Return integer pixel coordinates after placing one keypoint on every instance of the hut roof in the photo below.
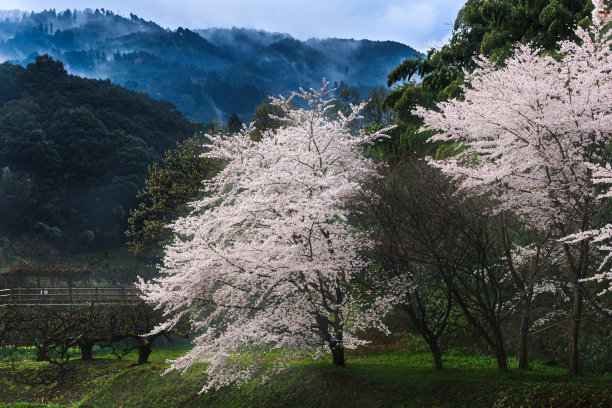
(28, 270)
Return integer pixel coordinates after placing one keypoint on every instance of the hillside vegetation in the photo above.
(74, 151)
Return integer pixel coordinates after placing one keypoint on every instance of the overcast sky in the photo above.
(418, 23)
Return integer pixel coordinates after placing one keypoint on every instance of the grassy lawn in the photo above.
(393, 379)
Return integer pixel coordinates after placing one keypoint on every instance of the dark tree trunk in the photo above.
(337, 345)
(575, 331)
(143, 353)
(86, 350)
(436, 353)
(338, 354)
(500, 351)
(525, 318)
(41, 354)
(527, 294)
(579, 271)
(502, 361)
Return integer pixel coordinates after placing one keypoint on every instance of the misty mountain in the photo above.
(208, 73)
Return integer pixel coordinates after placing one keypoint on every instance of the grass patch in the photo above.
(391, 379)
(77, 381)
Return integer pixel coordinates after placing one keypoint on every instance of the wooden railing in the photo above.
(68, 295)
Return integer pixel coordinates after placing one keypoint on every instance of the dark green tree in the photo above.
(234, 124)
(265, 117)
(169, 188)
(375, 112)
(81, 147)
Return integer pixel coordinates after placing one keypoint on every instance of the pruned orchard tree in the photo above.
(529, 132)
(266, 260)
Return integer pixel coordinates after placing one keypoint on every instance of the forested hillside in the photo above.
(209, 74)
(74, 151)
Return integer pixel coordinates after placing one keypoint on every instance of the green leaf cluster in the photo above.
(169, 188)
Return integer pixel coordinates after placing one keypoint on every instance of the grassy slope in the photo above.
(384, 380)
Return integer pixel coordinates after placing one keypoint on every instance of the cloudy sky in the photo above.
(418, 23)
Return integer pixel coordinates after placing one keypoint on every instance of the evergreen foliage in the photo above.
(168, 188)
(75, 151)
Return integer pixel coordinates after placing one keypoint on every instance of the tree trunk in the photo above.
(524, 332)
(338, 355)
(527, 294)
(436, 353)
(143, 353)
(86, 350)
(575, 330)
(41, 353)
(337, 345)
(502, 361)
(500, 351)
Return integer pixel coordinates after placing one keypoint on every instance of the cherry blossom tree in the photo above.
(266, 261)
(529, 133)
(600, 237)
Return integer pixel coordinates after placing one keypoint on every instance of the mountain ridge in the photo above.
(207, 73)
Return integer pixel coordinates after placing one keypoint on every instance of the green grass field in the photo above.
(391, 379)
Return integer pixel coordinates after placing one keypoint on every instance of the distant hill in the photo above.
(74, 152)
(208, 73)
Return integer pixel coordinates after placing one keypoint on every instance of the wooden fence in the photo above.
(44, 296)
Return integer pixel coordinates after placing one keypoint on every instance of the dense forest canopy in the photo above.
(74, 151)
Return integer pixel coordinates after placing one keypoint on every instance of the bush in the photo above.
(597, 354)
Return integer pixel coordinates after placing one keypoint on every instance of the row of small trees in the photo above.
(301, 241)
(56, 330)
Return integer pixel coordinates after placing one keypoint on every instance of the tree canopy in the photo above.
(75, 151)
(531, 133)
(168, 189)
